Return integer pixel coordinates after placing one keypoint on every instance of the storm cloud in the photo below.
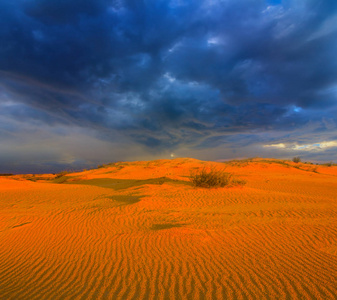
(167, 76)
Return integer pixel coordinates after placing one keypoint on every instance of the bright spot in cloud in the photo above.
(297, 109)
(281, 145)
(316, 146)
(306, 147)
(213, 41)
(169, 77)
(174, 47)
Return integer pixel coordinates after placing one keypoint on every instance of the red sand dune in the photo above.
(119, 232)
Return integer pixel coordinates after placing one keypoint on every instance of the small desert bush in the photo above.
(209, 178)
(61, 174)
(296, 159)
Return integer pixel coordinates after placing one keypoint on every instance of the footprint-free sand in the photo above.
(140, 230)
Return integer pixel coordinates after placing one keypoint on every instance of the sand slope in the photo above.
(141, 231)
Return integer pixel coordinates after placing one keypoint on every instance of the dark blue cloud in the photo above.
(170, 73)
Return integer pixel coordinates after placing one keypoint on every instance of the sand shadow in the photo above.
(119, 184)
(162, 226)
(22, 224)
(125, 199)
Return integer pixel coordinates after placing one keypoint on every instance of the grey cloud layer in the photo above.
(167, 73)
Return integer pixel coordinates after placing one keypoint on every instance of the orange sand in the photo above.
(274, 238)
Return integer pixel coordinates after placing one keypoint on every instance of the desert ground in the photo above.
(141, 230)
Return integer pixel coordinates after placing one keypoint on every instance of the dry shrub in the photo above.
(296, 159)
(209, 178)
(61, 174)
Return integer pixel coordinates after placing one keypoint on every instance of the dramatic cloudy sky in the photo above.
(84, 82)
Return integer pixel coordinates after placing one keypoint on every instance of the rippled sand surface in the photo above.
(140, 231)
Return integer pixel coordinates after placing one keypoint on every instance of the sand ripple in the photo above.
(266, 240)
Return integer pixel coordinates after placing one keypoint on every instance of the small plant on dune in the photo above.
(102, 166)
(296, 159)
(315, 170)
(61, 174)
(209, 178)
